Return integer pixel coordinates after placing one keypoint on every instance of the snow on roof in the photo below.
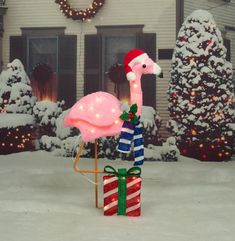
(12, 120)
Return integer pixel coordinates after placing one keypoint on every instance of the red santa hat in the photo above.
(130, 59)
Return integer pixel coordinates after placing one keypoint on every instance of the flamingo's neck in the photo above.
(136, 93)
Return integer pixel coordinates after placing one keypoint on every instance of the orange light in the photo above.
(201, 145)
(193, 93)
(194, 133)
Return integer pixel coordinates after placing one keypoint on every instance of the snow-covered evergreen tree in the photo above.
(16, 106)
(15, 90)
(201, 90)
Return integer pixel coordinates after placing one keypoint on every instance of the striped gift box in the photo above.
(122, 194)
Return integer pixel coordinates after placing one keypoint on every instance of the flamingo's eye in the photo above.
(144, 66)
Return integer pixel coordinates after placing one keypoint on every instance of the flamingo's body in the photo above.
(96, 115)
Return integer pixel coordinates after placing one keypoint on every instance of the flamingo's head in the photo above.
(147, 66)
(137, 62)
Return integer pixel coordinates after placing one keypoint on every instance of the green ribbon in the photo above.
(122, 174)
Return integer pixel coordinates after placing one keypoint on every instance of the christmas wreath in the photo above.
(78, 14)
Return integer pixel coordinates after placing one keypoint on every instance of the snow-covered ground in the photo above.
(42, 199)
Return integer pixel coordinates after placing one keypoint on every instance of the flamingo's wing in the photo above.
(98, 109)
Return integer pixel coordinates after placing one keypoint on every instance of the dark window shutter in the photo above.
(18, 49)
(93, 63)
(227, 44)
(67, 61)
(147, 42)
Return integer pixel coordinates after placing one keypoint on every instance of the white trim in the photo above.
(110, 205)
(139, 158)
(132, 208)
(138, 58)
(128, 130)
(137, 148)
(111, 192)
(138, 136)
(133, 195)
(124, 141)
(132, 183)
(112, 179)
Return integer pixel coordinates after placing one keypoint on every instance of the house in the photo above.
(74, 56)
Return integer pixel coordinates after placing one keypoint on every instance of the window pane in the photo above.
(115, 50)
(42, 66)
(42, 50)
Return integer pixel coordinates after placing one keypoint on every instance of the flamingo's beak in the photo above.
(157, 70)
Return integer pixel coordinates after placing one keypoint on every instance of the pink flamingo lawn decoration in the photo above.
(97, 114)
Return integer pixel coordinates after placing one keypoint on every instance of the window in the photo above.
(117, 41)
(115, 49)
(109, 46)
(42, 64)
(50, 59)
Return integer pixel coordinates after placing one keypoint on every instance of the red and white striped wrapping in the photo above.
(111, 195)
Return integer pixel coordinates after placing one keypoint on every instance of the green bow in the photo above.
(132, 172)
(122, 174)
(131, 115)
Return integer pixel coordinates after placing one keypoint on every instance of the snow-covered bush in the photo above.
(16, 132)
(57, 138)
(46, 114)
(168, 152)
(15, 90)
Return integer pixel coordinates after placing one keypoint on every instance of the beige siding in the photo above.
(157, 16)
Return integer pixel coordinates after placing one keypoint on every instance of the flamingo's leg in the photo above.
(96, 174)
(77, 158)
(96, 171)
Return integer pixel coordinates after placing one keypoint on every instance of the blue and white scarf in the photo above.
(129, 133)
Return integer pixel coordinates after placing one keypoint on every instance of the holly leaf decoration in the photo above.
(133, 109)
(124, 116)
(135, 120)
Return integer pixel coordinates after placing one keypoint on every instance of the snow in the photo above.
(41, 199)
(14, 120)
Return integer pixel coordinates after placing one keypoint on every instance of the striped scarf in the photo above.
(129, 133)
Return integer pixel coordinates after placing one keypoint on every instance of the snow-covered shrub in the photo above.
(16, 133)
(168, 152)
(151, 124)
(49, 143)
(46, 113)
(61, 140)
(15, 90)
